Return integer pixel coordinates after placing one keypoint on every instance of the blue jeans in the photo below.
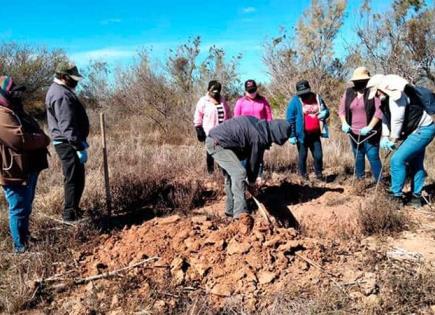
(235, 176)
(313, 143)
(20, 200)
(372, 152)
(411, 152)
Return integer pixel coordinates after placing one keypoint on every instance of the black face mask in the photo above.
(71, 82)
(251, 90)
(360, 85)
(216, 95)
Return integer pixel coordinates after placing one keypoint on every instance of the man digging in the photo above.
(238, 139)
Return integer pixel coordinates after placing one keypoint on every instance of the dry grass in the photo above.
(381, 216)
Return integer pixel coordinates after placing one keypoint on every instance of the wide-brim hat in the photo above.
(70, 70)
(392, 85)
(303, 87)
(360, 73)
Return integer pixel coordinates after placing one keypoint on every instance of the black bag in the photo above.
(421, 96)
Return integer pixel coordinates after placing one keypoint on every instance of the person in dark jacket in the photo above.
(23, 155)
(243, 138)
(69, 128)
(405, 119)
(361, 119)
(307, 114)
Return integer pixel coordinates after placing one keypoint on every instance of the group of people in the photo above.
(380, 111)
(23, 148)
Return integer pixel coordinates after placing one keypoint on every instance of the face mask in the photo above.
(215, 94)
(360, 85)
(71, 83)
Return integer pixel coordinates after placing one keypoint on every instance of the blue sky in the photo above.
(116, 30)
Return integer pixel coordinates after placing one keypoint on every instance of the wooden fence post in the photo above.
(106, 166)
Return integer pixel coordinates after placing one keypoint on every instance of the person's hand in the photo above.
(345, 127)
(322, 115)
(387, 144)
(83, 156)
(259, 182)
(365, 131)
(293, 140)
(200, 134)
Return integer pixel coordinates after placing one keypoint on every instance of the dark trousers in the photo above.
(314, 144)
(210, 163)
(74, 176)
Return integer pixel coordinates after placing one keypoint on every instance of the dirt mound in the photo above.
(212, 254)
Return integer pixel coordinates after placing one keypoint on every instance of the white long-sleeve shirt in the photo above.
(397, 111)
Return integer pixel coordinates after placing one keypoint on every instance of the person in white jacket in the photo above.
(405, 119)
(211, 110)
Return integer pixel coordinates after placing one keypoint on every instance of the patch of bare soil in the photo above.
(204, 256)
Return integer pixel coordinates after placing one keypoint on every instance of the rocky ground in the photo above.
(203, 262)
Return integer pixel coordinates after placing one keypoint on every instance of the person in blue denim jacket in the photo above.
(307, 114)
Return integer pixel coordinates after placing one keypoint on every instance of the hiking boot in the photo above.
(69, 215)
(246, 223)
(396, 199)
(228, 214)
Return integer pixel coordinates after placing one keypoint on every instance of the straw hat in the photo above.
(360, 73)
(392, 85)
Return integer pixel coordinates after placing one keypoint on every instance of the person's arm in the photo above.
(254, 162)
(342, 109)
(238, 108)
(291, 116)
(67, 121)
(199, 114)
(268, 110)
(324, 109)
(397, 110)
(13, 136)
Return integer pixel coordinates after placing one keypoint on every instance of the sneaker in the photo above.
(20, 250)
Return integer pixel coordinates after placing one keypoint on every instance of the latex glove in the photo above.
(322, 115)
(345, 127)
(293, 140)
(85, 144)
(386, 144)
(365, 131)
(200, 134)
(83, 156)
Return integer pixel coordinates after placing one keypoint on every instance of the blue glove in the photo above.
(322, 115)
(85, 144)
(345, 127)
(293, 140)
(83, 156)
(365, 131)
(386, 144)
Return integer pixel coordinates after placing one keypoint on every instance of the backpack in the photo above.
(421, 96)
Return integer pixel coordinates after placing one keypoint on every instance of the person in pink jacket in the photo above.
(253, 104)
(211, 110)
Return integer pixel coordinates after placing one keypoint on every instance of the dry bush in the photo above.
(378, 215)
(408, 292)
(32, 67)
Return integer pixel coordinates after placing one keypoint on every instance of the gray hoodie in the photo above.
(249, 137)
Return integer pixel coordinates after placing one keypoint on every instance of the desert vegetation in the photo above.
(157, 169)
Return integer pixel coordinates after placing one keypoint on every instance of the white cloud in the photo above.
(248, 10)
(110, 21)
(107, 54)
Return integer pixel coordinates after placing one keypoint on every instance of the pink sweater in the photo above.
(258, 108)
(206, 114)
